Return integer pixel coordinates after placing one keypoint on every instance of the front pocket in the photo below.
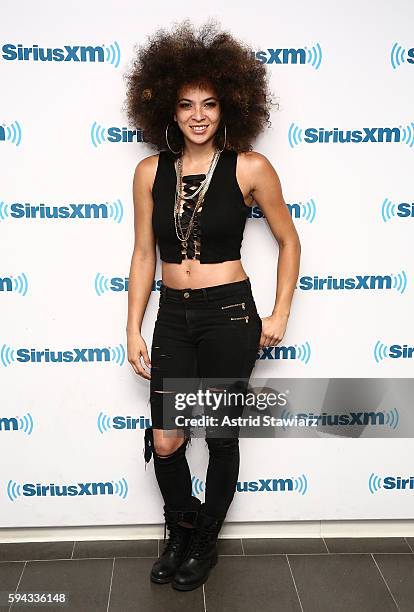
(246, 318)
(240, 308)
(242, 304)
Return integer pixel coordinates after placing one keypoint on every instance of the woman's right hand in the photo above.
(137, 348)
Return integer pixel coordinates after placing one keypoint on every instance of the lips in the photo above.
(198, 129)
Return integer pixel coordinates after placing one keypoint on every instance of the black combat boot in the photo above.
(180, 524)
(201, 554)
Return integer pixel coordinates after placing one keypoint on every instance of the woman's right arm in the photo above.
(143, 263)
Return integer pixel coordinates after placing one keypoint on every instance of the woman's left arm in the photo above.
(267, 192)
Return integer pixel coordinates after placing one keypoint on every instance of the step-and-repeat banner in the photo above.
(73, 411)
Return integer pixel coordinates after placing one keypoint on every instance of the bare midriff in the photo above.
(191, 274)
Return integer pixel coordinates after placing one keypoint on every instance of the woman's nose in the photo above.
(198, 115)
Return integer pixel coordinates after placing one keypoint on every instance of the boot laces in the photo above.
(199, 542)
(174, 540)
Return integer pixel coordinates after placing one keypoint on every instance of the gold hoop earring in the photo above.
(225, 138)
(168, 144)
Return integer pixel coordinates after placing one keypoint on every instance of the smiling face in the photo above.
(198, 113)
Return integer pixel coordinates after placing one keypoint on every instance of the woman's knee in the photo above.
(167, 442)
(223, 447)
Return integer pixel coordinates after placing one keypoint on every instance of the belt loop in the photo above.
(205, 293)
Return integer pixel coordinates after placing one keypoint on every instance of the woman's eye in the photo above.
(185, 104)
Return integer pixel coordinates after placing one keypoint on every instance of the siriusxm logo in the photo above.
(110, 54)
(399, 55)
(101, 135)
(9, 355)
(106, 423)
(29, 489)
(387, 419)
(24, 424)
(301, 352)
(296, 135)
(300, 55)
(11, 133)
(297, 484)
(387, 483)
(389, 210)
(103, 284)
(394, 351)
(307, 210)
(371, 282)
(298, 210)
(82, 210)
(15, 284)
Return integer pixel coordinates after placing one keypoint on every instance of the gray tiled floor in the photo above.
(280, 574)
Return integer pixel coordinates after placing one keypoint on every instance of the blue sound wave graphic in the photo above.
(380, 351)
(104, 422)
(392, 418)
(112, 54)
(116, 211)
(6, 355)
(121, 488)
(300, 484)
(197, 486)
(14, 490)
(374, 483)
(13, 133)
(308, 210)
(314, 56)
(98, 134)
(399, 281)
(20, 284)
(397, 55)
(408, 134)
(102, 284)
(26, 423)
(118, 354)
(4, 212)
(294, 135)
(303, 352)
(388, 210)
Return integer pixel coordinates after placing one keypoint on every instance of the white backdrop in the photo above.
(66, 239)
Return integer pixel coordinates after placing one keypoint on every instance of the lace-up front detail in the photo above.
(221, 217)
(200, 542)
(190, 184)
(174, 540)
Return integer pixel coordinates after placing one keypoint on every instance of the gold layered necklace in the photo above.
(201, 190)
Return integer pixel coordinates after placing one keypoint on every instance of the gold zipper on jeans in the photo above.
(238, 318)
(242, 304)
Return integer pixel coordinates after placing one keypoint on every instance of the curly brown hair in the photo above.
(182, 56)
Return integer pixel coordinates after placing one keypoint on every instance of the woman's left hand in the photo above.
(273, 330)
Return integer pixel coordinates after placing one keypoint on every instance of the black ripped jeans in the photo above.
(210, 332)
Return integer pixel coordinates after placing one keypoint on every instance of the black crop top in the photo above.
(221, 220)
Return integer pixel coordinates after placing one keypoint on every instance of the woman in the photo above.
(201, 100)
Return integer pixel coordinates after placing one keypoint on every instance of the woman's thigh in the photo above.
(174, 357)
(226, 356)
(229, 336)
